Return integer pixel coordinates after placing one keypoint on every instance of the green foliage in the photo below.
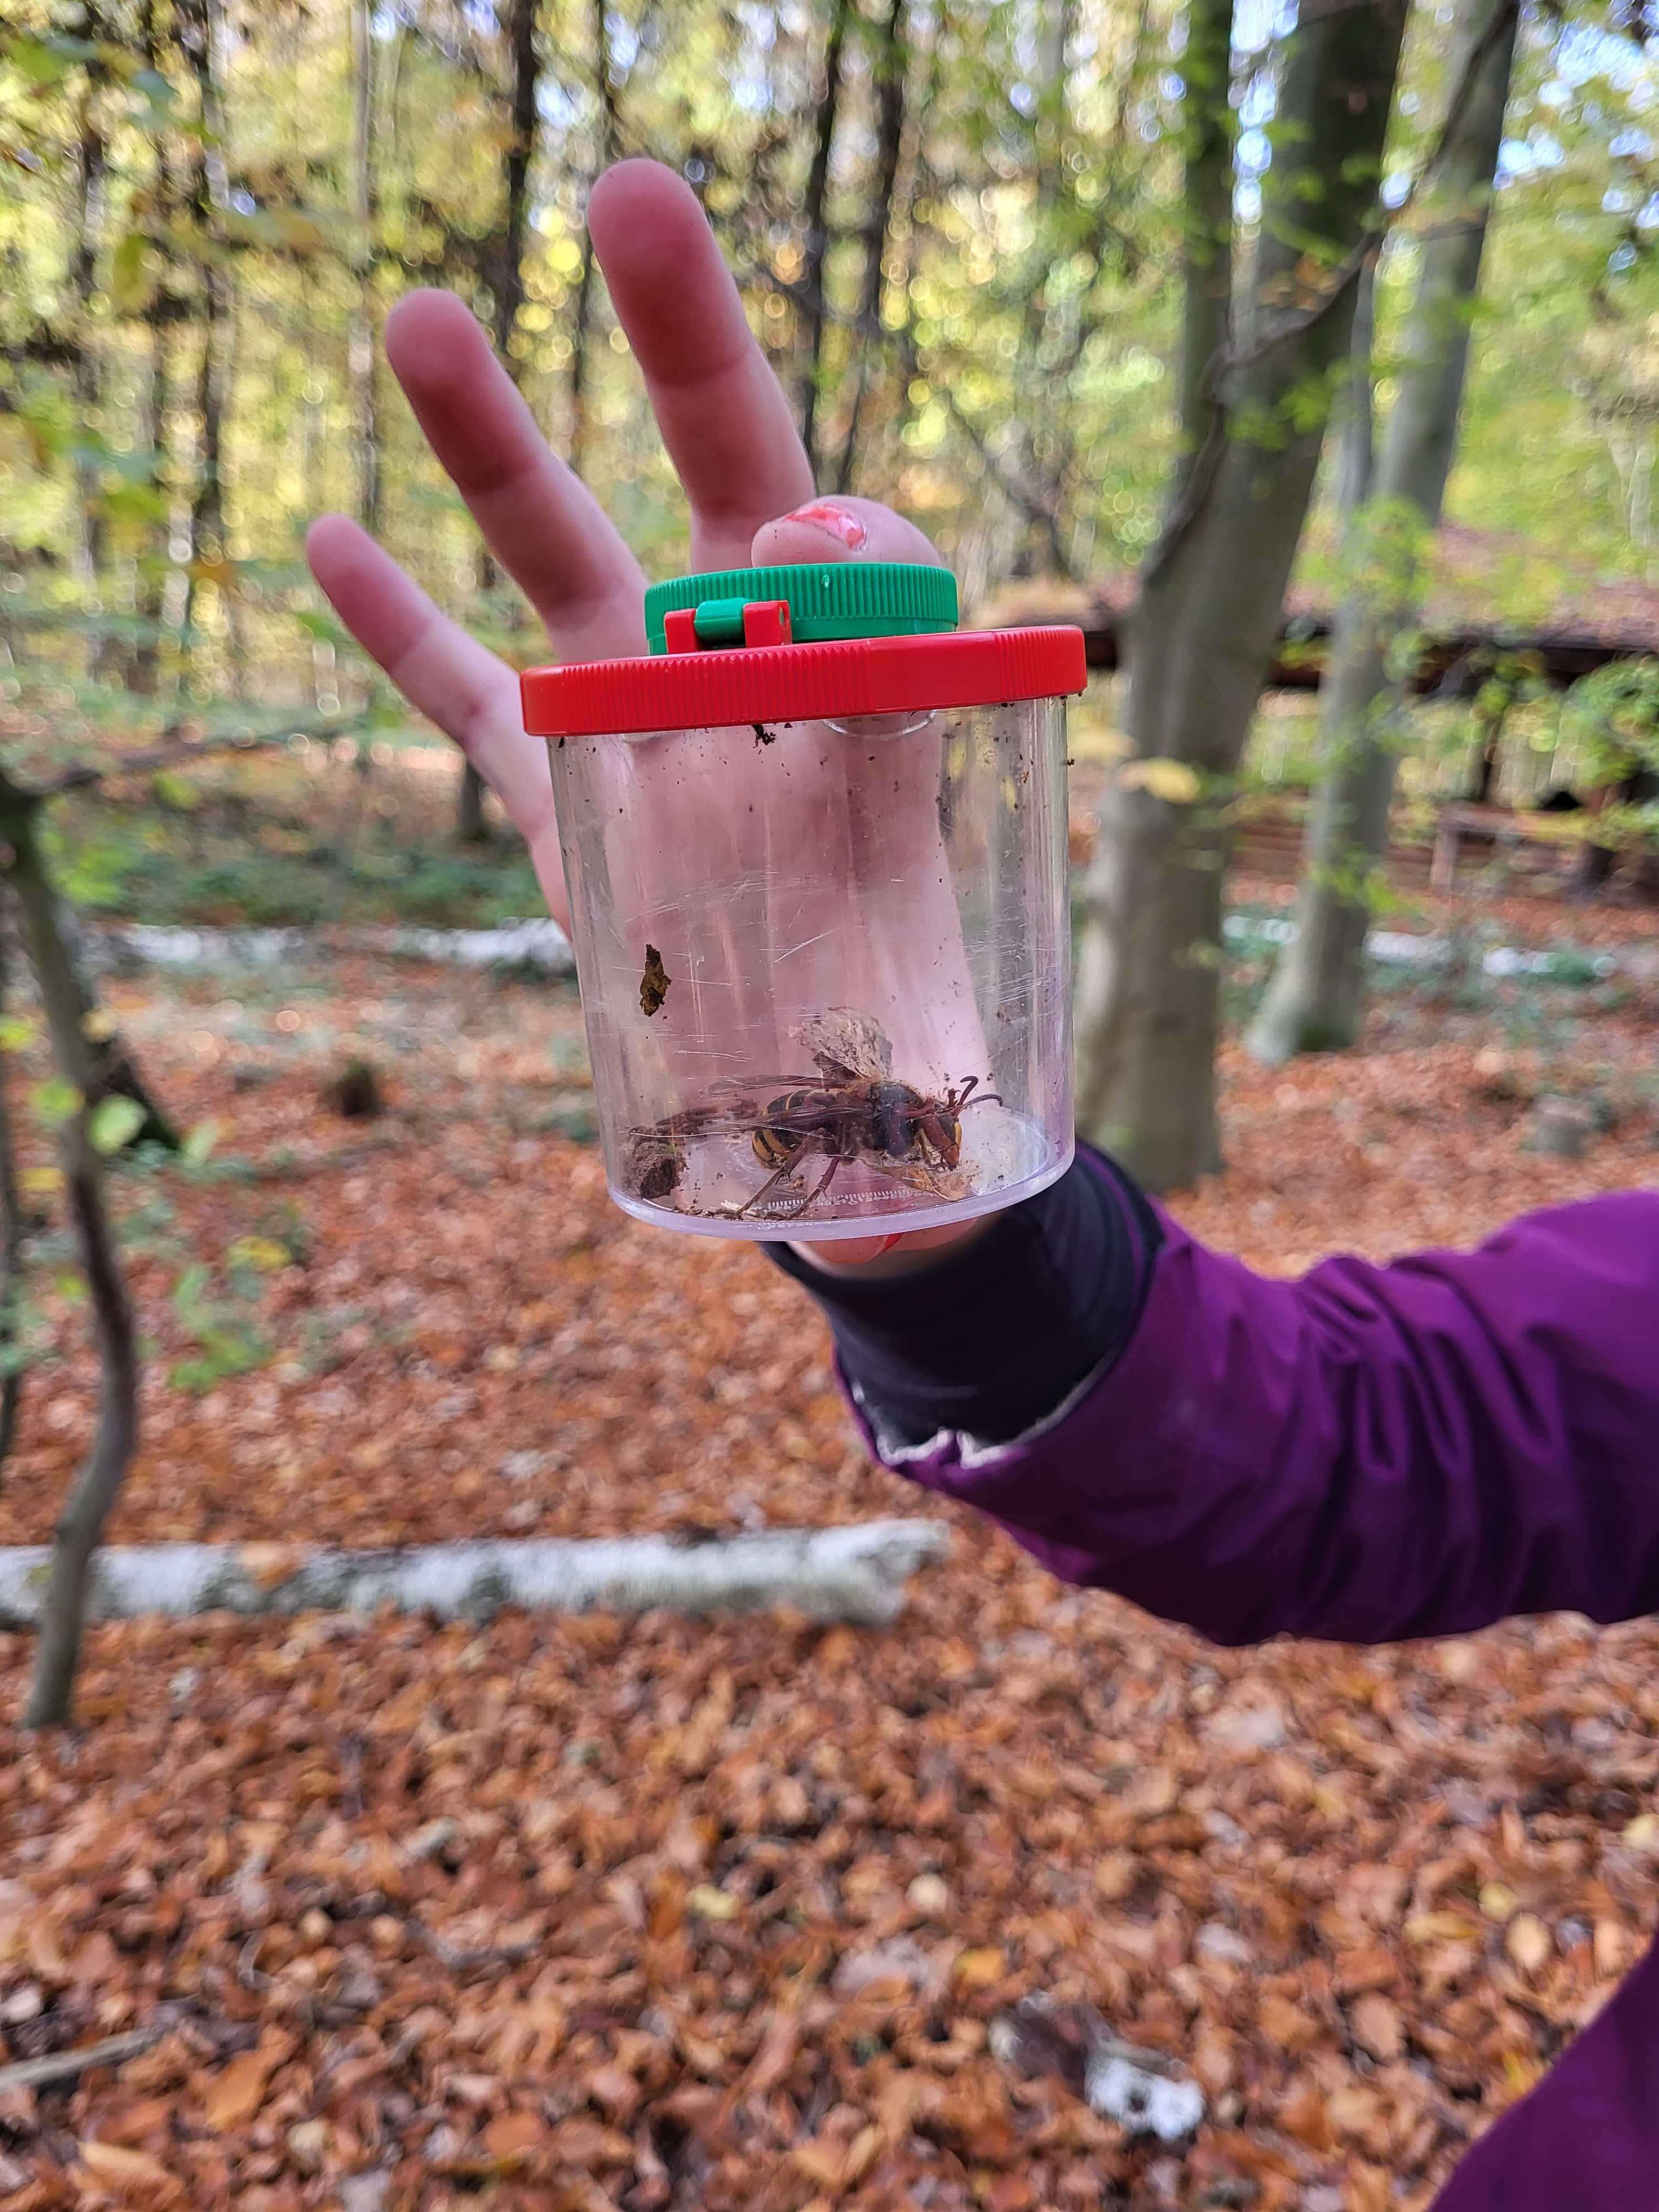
(226, 1342)
(55, 1101)
(1614, 713)
(113, 1123)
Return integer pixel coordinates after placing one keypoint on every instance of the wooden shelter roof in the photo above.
(1490, 593)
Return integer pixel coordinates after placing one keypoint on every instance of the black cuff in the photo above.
(992, 1339)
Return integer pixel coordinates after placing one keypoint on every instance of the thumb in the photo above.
(842, 528)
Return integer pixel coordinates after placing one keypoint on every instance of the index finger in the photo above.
(722, 412)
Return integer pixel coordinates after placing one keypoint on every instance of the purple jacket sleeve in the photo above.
(1367, 1453)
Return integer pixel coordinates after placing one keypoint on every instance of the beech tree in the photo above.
(1264, 345)
(1316, 1000)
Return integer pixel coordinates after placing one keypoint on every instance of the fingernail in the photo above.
(839, 522)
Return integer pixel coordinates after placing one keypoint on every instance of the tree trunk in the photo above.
(11, 1245)
(200, 36)
(111, 1069)
(360, 335)
(1316, 1001)
(471, 828)
(508, 289)
(1356, 454)
(148, 597)
(1207, 267)
(582, 319)
(509, 274)
(116, 1437)
(891, 66)
(90, 186)
(816, 250)
(857, 1572)
(1211, 591)
(207, 504)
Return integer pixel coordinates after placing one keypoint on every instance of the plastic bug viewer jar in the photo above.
(816, 848)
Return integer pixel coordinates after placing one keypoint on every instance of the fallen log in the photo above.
(856, 1573)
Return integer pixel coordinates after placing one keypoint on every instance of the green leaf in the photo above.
(134, 502)
(56, 1102)
(130, 288)
(112, 1123)
(175, 790)
(197, 1147)
(46, 60)
(322, 628)
(17, 1033)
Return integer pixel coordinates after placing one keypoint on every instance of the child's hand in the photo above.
(730, 434)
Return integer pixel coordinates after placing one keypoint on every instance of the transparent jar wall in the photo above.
(861, 982)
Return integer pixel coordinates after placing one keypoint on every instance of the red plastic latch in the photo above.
(765, 621)
(679, 630)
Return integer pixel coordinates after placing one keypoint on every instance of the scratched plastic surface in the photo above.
(825, 967)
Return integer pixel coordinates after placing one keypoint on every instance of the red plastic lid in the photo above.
(802, 683)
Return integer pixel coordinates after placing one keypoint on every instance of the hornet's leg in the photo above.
(783, 1175)
(838, 1160)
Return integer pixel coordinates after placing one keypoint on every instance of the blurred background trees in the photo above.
(1070, 280)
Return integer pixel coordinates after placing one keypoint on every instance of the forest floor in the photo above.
(585, 1912)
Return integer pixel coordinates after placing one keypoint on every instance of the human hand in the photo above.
(729, 432)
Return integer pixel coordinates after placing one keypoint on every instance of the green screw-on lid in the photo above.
(831, 599)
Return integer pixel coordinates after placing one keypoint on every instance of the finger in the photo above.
(542, 523)
(900, 1254)
(844, 528)
(847, 528)
(471, 696)
(724, 419)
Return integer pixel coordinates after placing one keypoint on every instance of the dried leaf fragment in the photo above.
(132, 2175)
(655, 981)
(977, 1969)
(238, 2090)
(510, 2136)
(1377, 2025)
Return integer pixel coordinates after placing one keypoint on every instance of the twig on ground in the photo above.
(64, 2065)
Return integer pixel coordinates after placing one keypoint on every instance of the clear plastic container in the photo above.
(819, 906)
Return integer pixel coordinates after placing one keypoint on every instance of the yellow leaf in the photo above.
(1528, 1941)
(1174, 781)
(862, 2153)
(263, 1253)
(711, 1904)
(1498, 1903)
(501, 1359)
(1441, 1928)
(1521, 2071)
(124, 2169)
(41, 1181)
(97, 1025)
(1642, 1834)
(1104, 747)
(975, 1969)
(822, 2163)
